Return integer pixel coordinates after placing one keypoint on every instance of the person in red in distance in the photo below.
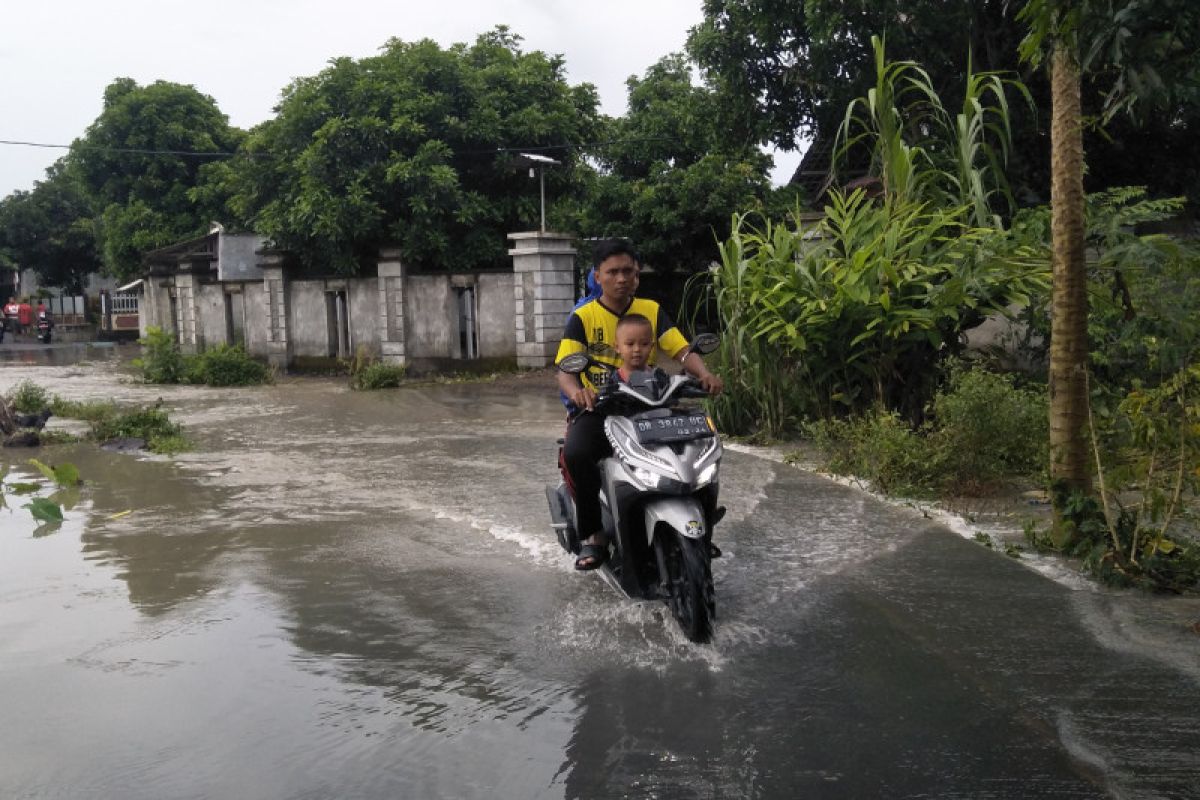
(25, 314)
(11, 311)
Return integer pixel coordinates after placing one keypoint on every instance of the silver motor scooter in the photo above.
(658, 490)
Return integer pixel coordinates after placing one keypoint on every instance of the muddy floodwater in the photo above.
(358, 595)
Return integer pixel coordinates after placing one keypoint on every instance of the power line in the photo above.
(226, 154)
(129, 150)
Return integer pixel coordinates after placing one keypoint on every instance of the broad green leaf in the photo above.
(45, 510)
(45, 469)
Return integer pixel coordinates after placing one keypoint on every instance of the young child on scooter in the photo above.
(635, 342)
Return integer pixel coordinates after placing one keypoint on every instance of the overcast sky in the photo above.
(56, 56)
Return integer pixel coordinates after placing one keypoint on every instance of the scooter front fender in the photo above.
(683, 514)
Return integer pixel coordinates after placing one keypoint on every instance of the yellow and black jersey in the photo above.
(592, 329)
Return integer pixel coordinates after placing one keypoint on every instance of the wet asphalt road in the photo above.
(358, 595)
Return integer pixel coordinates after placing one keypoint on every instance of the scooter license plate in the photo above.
(676, 428)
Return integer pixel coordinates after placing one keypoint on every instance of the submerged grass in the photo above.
(107, 419)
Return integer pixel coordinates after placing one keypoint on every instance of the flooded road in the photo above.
(344, 594)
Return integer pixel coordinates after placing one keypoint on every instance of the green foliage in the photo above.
(51, 230)
(1144, 291)
(920, 151)
(150, 423)
(404, 148)
(865, 304)
(147, 200)
(226, 365)
(61, 475)
(981, 433)
(366, 373)
(28, 398)
(880, 448)
(785, 70)
(984, 430)
(1140, 531)
(161, 360)
(44, 509)
(89, 411)
(222, 365)
(669, 179)
(377, 376)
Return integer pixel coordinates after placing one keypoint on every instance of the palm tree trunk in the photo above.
(1069, 467)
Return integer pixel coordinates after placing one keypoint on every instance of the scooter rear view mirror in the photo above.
(574, 363)
(705, 343)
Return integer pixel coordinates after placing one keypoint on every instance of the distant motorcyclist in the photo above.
(592, 329)
(12, 311)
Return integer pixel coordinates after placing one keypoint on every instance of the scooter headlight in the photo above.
(648, 479)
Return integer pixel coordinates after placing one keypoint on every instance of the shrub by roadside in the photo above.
(223, 365)
(982, 433)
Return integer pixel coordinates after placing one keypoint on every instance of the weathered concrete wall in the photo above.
(156, 305)
(497, 331)
(307, 319)
(431, 317)
(254, 296)
(363, 297)
(210, 314)
(397, 316)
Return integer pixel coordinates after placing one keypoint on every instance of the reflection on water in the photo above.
(347, 594)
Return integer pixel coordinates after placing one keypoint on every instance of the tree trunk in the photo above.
(1069, 468)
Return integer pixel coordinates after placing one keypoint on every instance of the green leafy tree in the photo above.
(669, 181)
(784, 67)
(786, 70)
(140, 163)
(51, 230)
(1072, 36)
(411, 147)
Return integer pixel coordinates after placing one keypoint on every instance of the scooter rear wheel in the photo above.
(691, 596)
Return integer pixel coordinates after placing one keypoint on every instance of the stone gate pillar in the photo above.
(544, 286)
(191, 338)
(391, 307)
(275, 292)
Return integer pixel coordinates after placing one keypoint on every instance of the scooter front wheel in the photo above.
(689, 584)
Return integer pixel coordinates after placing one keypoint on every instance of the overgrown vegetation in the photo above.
(150, 423)
(226, 365)
(366, 373)
(108, 421)
(848, 328)
(223, 365)
(981, 432)
(28, 398)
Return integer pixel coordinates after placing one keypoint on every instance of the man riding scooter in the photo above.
(591, 329)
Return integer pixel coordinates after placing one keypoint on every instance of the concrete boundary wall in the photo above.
(395, 316)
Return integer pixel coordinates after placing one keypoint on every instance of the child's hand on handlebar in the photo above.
(711, 383)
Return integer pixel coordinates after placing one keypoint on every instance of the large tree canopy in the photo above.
(413, 147)
(140, 162)
(51, 231)
(786, 70)
(789, 67)
(669, 181)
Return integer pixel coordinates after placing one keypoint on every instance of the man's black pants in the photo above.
(583, 448)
